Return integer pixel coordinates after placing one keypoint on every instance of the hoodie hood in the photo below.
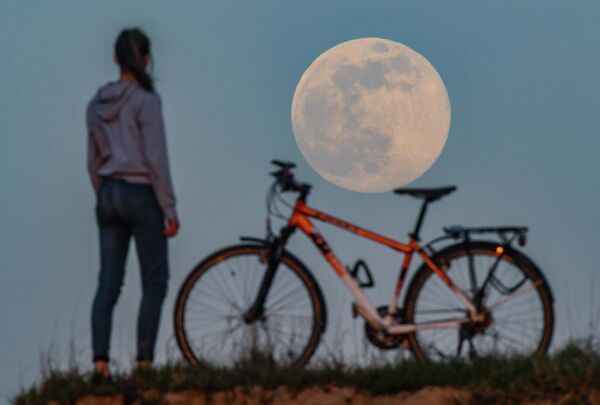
(111, 98)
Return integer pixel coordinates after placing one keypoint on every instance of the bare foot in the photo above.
(101, 366)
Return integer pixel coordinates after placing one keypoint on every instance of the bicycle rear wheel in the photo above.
(210, 306)
(517, 301)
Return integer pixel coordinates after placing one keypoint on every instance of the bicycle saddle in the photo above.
(428, 194)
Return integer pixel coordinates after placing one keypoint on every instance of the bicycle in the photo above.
(470, 298)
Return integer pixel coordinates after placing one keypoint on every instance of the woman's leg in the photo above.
(151, 246)
(114, 244)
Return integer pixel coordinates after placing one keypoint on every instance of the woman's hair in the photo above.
(131, 47)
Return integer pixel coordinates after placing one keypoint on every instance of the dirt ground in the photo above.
(284, 396)
(316, 396)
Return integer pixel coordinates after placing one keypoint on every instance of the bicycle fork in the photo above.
(275, 249)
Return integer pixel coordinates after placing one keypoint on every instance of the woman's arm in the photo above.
(155, 149)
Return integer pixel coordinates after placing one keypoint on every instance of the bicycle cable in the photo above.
(272, 209)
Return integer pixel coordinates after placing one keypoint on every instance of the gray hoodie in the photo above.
(126, 139)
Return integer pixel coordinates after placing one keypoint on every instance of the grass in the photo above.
(574, 370)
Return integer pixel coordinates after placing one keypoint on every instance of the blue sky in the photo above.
(523, 83)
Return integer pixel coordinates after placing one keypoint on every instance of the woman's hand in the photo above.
(172, 227)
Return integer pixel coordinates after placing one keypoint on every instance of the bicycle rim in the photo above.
(210, 327)
(518, 299)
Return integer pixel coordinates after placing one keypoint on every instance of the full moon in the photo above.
(370, 115)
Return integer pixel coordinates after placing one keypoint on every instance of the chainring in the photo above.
(383, 340)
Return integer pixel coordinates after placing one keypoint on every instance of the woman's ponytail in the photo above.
(131, 47)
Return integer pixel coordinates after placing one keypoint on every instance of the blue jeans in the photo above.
(122, 210)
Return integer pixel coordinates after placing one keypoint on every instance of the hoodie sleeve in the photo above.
(155, 150)
(94, 160)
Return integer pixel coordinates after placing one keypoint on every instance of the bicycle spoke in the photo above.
(213, 314)
(516, 319)
(440, 310)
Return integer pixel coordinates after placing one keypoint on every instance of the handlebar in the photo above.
(283, 165)
(285, 179)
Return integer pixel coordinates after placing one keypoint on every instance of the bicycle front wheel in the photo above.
(516, 301)
(209, 313)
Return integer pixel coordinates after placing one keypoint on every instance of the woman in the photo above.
(129, 169)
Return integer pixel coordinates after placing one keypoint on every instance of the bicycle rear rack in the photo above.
(505, 234)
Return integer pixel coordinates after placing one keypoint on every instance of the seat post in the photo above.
(415, 232)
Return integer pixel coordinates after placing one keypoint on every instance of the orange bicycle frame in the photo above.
(300, 218)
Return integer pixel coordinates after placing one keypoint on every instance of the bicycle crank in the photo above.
(382, 339)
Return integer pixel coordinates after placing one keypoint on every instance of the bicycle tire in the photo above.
(211, 269)
(450, 259)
